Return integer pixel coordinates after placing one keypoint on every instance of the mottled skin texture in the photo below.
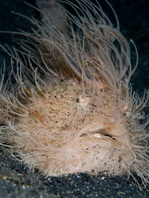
(68, 131)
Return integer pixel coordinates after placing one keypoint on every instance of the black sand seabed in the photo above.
(16, 181)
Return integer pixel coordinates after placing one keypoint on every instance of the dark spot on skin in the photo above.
(83, 135)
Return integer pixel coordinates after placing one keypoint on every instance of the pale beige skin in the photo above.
(67, 132)
(73, 110)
